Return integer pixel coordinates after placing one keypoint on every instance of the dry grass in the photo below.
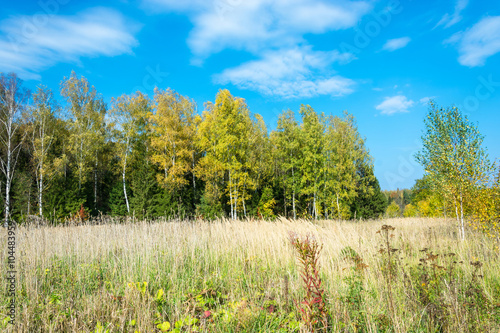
(245, 273)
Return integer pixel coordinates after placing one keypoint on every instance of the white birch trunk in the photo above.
(125, 190)
(8, 177)
(338, 206)
(462, 216)
(124, 174)
(458, 217)
(314, 207)
(231, 196)
(40, 174)
(243, 201)
(11, 106)
(40, 191)
(95, 183)
(235, 203)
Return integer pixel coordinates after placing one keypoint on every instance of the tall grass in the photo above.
(243, 276)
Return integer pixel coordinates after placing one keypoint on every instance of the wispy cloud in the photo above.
(426, 100)
(259, 25)
(273, 31)
(448, 20)
(395, 44)
(478, 43)
(27, 47)
(292, 73)
(395, 104)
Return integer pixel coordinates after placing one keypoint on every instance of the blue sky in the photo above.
(379, 60)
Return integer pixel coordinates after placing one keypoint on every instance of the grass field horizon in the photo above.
(244, 276)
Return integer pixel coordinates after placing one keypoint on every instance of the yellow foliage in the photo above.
(172, 125)
(410, 211)
(393, 210)
(424, 208)
(486, 211)
(267, 209)
(432, 206)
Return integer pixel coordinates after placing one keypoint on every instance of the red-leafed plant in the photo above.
(81, 215)
(313, 307)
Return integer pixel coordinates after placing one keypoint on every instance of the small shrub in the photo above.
(393, 210)
(389, 264)
(353, 298)
(265, 210)
(348, 253)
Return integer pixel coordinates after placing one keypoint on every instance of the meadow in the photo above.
(246, 276)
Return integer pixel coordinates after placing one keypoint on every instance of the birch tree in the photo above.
(453, 156)
(172, 129)
(128, 116)
(224, 138)
(346, 160)
(42, 116)
(87, 137)
(313, 157)
(13, 100)
(288, 155)
(259, 159)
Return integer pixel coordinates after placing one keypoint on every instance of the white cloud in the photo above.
(448, 20)
(397, 43)
(455, 38)
(395, 104)
(478, 43)
(29, 44)
(292, 73)
(273, 31)
(256, 25)
(426, 100)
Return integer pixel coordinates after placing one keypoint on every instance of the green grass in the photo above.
(247, 276)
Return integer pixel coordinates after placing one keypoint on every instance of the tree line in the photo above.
(157, 156)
